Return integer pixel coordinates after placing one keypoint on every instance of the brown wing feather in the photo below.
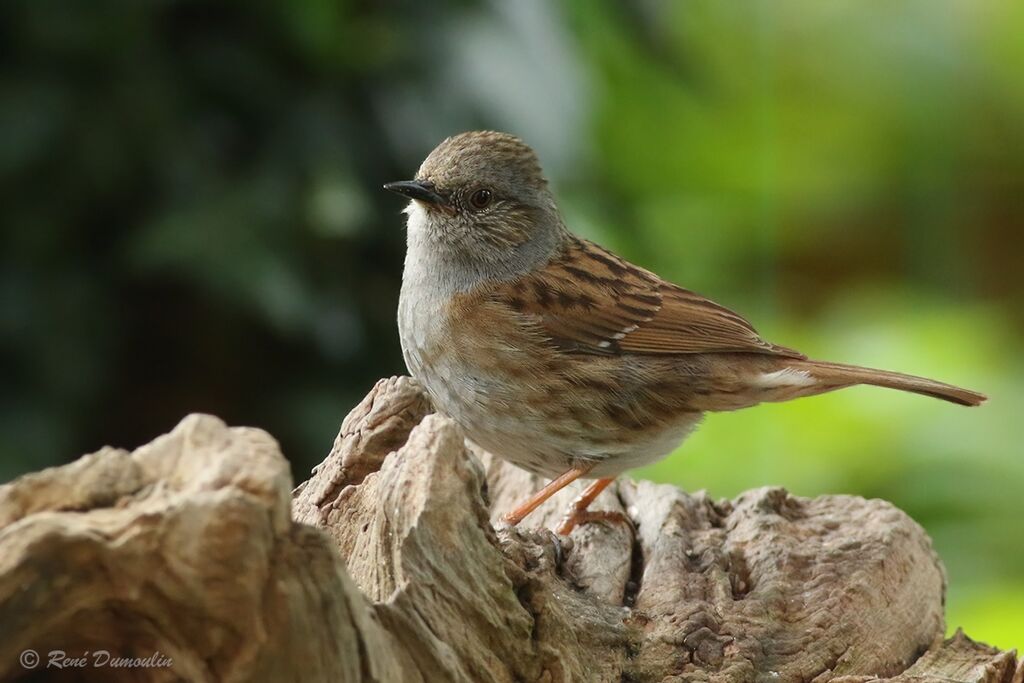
(588, 300)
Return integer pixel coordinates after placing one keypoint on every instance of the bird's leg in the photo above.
(578, 513)
(553, 487)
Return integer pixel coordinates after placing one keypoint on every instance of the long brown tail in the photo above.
(839, 375)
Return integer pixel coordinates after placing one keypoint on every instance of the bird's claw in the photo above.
(576, 517)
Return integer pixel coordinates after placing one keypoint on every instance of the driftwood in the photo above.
(386, 565)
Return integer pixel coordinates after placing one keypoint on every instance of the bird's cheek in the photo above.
(443, 209)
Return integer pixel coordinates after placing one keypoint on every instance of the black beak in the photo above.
(417, 189)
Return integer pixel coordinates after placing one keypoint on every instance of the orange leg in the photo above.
(579, 514)
(553, 487)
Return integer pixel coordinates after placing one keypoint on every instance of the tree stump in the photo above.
(388, 564)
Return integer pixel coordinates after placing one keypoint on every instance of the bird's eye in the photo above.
(480, 199)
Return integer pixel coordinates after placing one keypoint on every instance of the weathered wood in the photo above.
(389, 568)
(184, 547)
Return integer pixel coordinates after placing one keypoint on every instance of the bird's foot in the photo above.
(576, 517)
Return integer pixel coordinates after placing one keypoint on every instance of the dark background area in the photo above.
(193, 221)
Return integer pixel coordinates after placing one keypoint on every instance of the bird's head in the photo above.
(482, 197)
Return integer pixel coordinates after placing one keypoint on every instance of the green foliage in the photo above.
(192, 220)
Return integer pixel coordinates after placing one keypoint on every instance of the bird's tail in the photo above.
(838, 375)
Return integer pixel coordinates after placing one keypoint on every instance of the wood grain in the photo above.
(385, 566)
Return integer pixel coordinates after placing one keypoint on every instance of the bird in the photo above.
(559, 356)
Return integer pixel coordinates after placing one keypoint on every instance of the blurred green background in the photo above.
(193, 221)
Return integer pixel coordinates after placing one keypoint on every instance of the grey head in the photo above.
(480, 202)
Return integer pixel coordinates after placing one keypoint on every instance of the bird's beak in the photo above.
(421, 190)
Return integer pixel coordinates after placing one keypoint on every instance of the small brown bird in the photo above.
(557, 355)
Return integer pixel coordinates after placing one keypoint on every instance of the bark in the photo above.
(388, 565)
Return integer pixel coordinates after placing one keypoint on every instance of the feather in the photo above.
(587, 300)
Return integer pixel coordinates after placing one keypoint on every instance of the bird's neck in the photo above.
(446, 270)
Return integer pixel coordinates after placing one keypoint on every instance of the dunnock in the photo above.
(557, 355)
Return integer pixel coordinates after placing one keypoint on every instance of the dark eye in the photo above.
(480, 199)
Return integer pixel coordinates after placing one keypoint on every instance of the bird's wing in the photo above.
(587, 300)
